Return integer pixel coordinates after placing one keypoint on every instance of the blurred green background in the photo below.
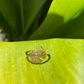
(42, 19)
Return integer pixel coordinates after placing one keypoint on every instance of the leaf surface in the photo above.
(59, 13)
(66, 65)
(9, 11)
(31, 12)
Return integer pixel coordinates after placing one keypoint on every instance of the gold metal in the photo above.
(37, 56)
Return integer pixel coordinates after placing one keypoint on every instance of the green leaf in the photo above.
(9, 11)
(31, 12)
(20, 14)
(39, 18)
(66, 65)
(72, 29)
(59, 13)
(7, 28)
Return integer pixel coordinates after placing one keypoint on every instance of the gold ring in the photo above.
(37, 56)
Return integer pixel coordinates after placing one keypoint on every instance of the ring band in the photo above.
(27, 57)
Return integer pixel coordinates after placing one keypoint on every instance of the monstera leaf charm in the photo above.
(37, 56)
